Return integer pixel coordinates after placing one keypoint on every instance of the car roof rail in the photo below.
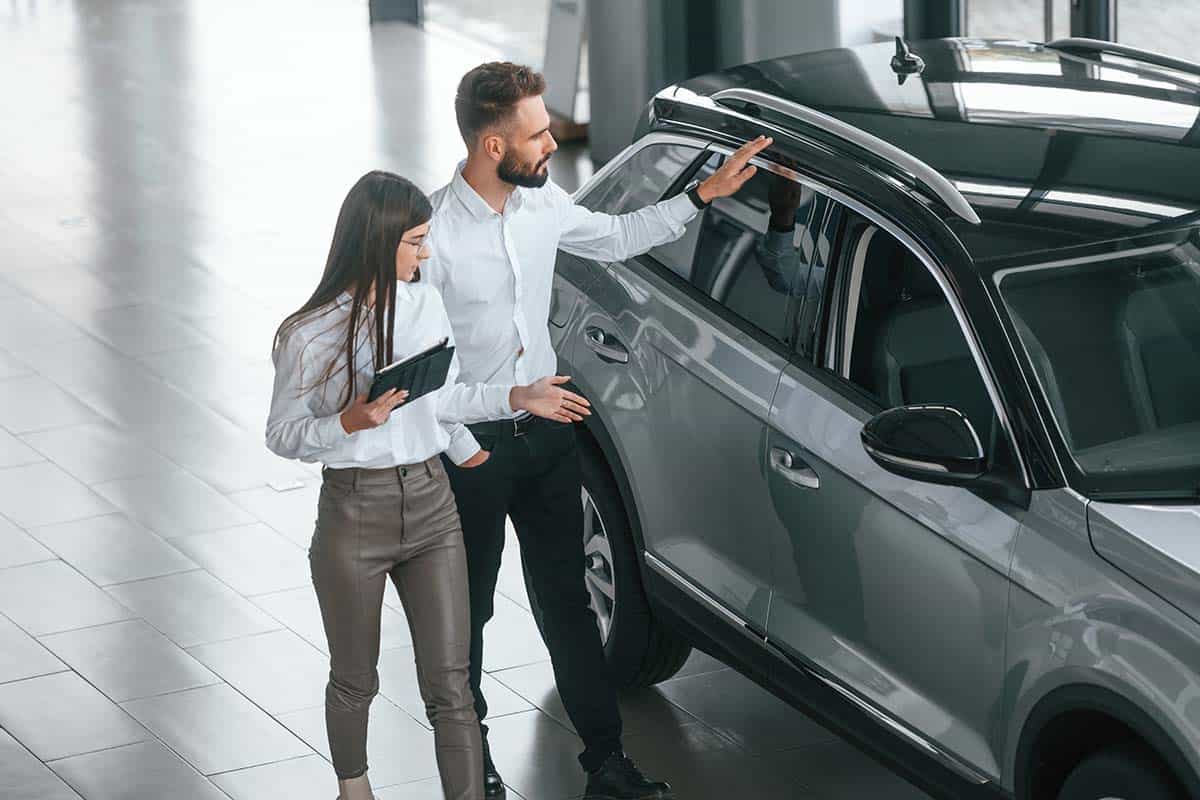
(1080, 46)
(934, 181)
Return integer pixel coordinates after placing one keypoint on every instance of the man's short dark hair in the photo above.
(489, 94)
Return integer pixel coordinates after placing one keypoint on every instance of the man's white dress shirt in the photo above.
(305, 424)
(495, 270)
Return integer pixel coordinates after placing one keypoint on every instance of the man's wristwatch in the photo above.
(693, 193)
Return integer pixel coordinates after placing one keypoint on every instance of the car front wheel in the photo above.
(638, 649)
(1119, 773)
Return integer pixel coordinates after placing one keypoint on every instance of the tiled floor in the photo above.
(171, 174)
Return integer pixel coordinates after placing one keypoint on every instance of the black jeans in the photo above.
(535, 479)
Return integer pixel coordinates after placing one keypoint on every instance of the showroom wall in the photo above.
(639, 46)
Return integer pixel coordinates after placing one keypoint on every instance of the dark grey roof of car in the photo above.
(1051, 148)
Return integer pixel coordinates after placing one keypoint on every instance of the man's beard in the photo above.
(512, 171)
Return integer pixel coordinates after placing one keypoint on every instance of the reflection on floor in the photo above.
(172, 172)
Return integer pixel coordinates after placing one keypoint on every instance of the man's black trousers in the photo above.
(533, 476)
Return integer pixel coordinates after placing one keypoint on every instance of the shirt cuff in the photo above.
(330, 431)
(462, 445)
(680, 209)
(778, 241)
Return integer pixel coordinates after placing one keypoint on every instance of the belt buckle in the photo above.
(517, 432)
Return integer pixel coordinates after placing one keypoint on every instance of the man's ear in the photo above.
(493, 146)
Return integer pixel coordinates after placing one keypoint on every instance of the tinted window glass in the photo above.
(1114, 341)
(904, 345)
(752, 253)
(642, 180)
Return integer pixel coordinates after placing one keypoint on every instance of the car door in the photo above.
(894, 591)
(687, 345)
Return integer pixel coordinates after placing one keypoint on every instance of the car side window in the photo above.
(752, 253)
(898, 338)
(642, 179)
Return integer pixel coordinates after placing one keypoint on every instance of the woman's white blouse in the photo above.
(305, 423)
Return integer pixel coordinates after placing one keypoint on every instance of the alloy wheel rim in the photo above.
(598, 574)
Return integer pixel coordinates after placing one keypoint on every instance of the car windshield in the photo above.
(1114, 340)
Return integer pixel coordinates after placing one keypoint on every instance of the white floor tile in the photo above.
(278, 671)
(216, 729)
(112, 549)
(252, 559)
(61, 715)
(141, 329)
(398, 682)
(144, 771)
(299, 610)
(17, 547)
(292, 513)
(43, 494)
(537, 756)
(172, 503)
(32, 403)
(22, 656)
(49, 597)
(98, 452)
(398, 749)
(12, 367)
(511, 638)
(129, 660)
(23, 321)
(14, 452)
(223, 455)
(193, 608)
(24, 777)
(307, 778)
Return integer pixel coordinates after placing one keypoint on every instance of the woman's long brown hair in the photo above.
(377, 211)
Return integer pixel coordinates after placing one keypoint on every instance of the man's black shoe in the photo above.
(493, 786)
(619, 779)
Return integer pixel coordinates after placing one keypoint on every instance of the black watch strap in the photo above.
(693, 193)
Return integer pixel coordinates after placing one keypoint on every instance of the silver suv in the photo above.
(909, 429)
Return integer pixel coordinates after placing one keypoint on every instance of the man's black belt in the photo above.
(505, 427)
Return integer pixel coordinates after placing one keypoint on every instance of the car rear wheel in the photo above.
(1119, 773)
(638, 649)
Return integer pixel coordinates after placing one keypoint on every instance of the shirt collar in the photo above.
(475, 204)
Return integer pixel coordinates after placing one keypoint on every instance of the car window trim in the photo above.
(616, 162)
(931, 265)
(825, 340)
(858, 263)
(690, 290)
(661, 270)
(880, 221)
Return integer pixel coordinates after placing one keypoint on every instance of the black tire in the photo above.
(1120, 773)
(639, 650)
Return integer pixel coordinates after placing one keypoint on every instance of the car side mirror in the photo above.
(935, 444)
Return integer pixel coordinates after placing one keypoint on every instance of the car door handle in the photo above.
(606, 346)
(794, 469)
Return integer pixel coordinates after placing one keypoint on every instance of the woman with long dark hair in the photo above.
(386, 509)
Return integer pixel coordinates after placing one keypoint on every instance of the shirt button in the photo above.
(521, 352)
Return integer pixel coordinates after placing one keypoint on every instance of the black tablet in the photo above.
(420, 374)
